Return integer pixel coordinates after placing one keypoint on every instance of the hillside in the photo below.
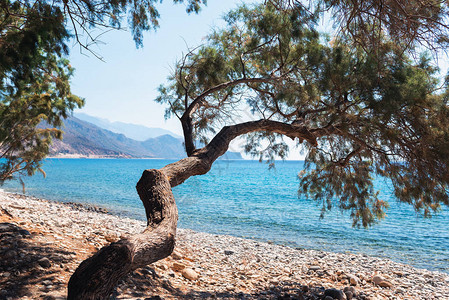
(132, 131)
(82, 138)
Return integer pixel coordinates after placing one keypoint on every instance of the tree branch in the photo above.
(195, 103)
(201, 160)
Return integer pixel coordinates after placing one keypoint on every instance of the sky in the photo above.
(123, 85)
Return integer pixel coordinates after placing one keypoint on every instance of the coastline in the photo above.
(44, 241)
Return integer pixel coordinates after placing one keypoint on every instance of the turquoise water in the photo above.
(245, 199)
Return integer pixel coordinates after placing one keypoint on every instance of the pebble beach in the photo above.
(42, 242)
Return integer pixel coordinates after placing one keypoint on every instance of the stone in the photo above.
(314, 268)
(228, 252)
(328, 298)
(377, 279)
(353, 280)
(385, 284)
(349, 295)
(162, 267)
(177, 266)
(335, 294)
(44, 262)
(46, 282)
(111, 238)
(190, 274)
(350, 289)
(176, 255)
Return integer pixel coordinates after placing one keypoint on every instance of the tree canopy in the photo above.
(410, 24)
(34, 84)
(358, 114)
(35, 73)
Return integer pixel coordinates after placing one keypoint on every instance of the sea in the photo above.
(247, 199)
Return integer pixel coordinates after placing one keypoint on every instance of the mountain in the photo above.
(82, 138)
(133, 131)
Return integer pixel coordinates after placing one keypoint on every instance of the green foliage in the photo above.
(23, 145)
(411, 24)
(385, 114)
(34, 84)
(34, 75)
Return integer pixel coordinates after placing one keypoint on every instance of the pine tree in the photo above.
(357, 112)
(35, 73)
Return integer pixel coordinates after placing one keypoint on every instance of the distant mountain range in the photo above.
(86, 139)
(133, 131)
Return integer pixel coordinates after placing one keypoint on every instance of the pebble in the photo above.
(189, 274)
(178, 266)
(377, 279)
(385, 284)
(44, 262)
(353, 280)
(219, 264)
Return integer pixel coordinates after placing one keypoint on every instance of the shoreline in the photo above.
(225, 266)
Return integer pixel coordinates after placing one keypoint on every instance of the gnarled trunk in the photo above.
(97, 276)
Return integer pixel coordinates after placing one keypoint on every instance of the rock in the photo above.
(176, 255)
(350, 289)
(111, 238)
(190, 274)
(335, 294)
(377, 279)
(385, 284)
(353, 280)
(44, 262)
(46, 282)
(314, 268)
(228, 252)
(327, 298)
(162, 266)
(178, 266)
(349, 295)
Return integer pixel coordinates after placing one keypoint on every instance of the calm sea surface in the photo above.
(245, 199)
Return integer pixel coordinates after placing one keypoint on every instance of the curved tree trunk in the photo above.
(97, 276)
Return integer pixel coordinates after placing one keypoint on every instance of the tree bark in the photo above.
(97, 276)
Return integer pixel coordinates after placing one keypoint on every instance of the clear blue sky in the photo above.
(123, 87)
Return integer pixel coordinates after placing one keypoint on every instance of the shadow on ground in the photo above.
(27, 264)
(145, 282)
